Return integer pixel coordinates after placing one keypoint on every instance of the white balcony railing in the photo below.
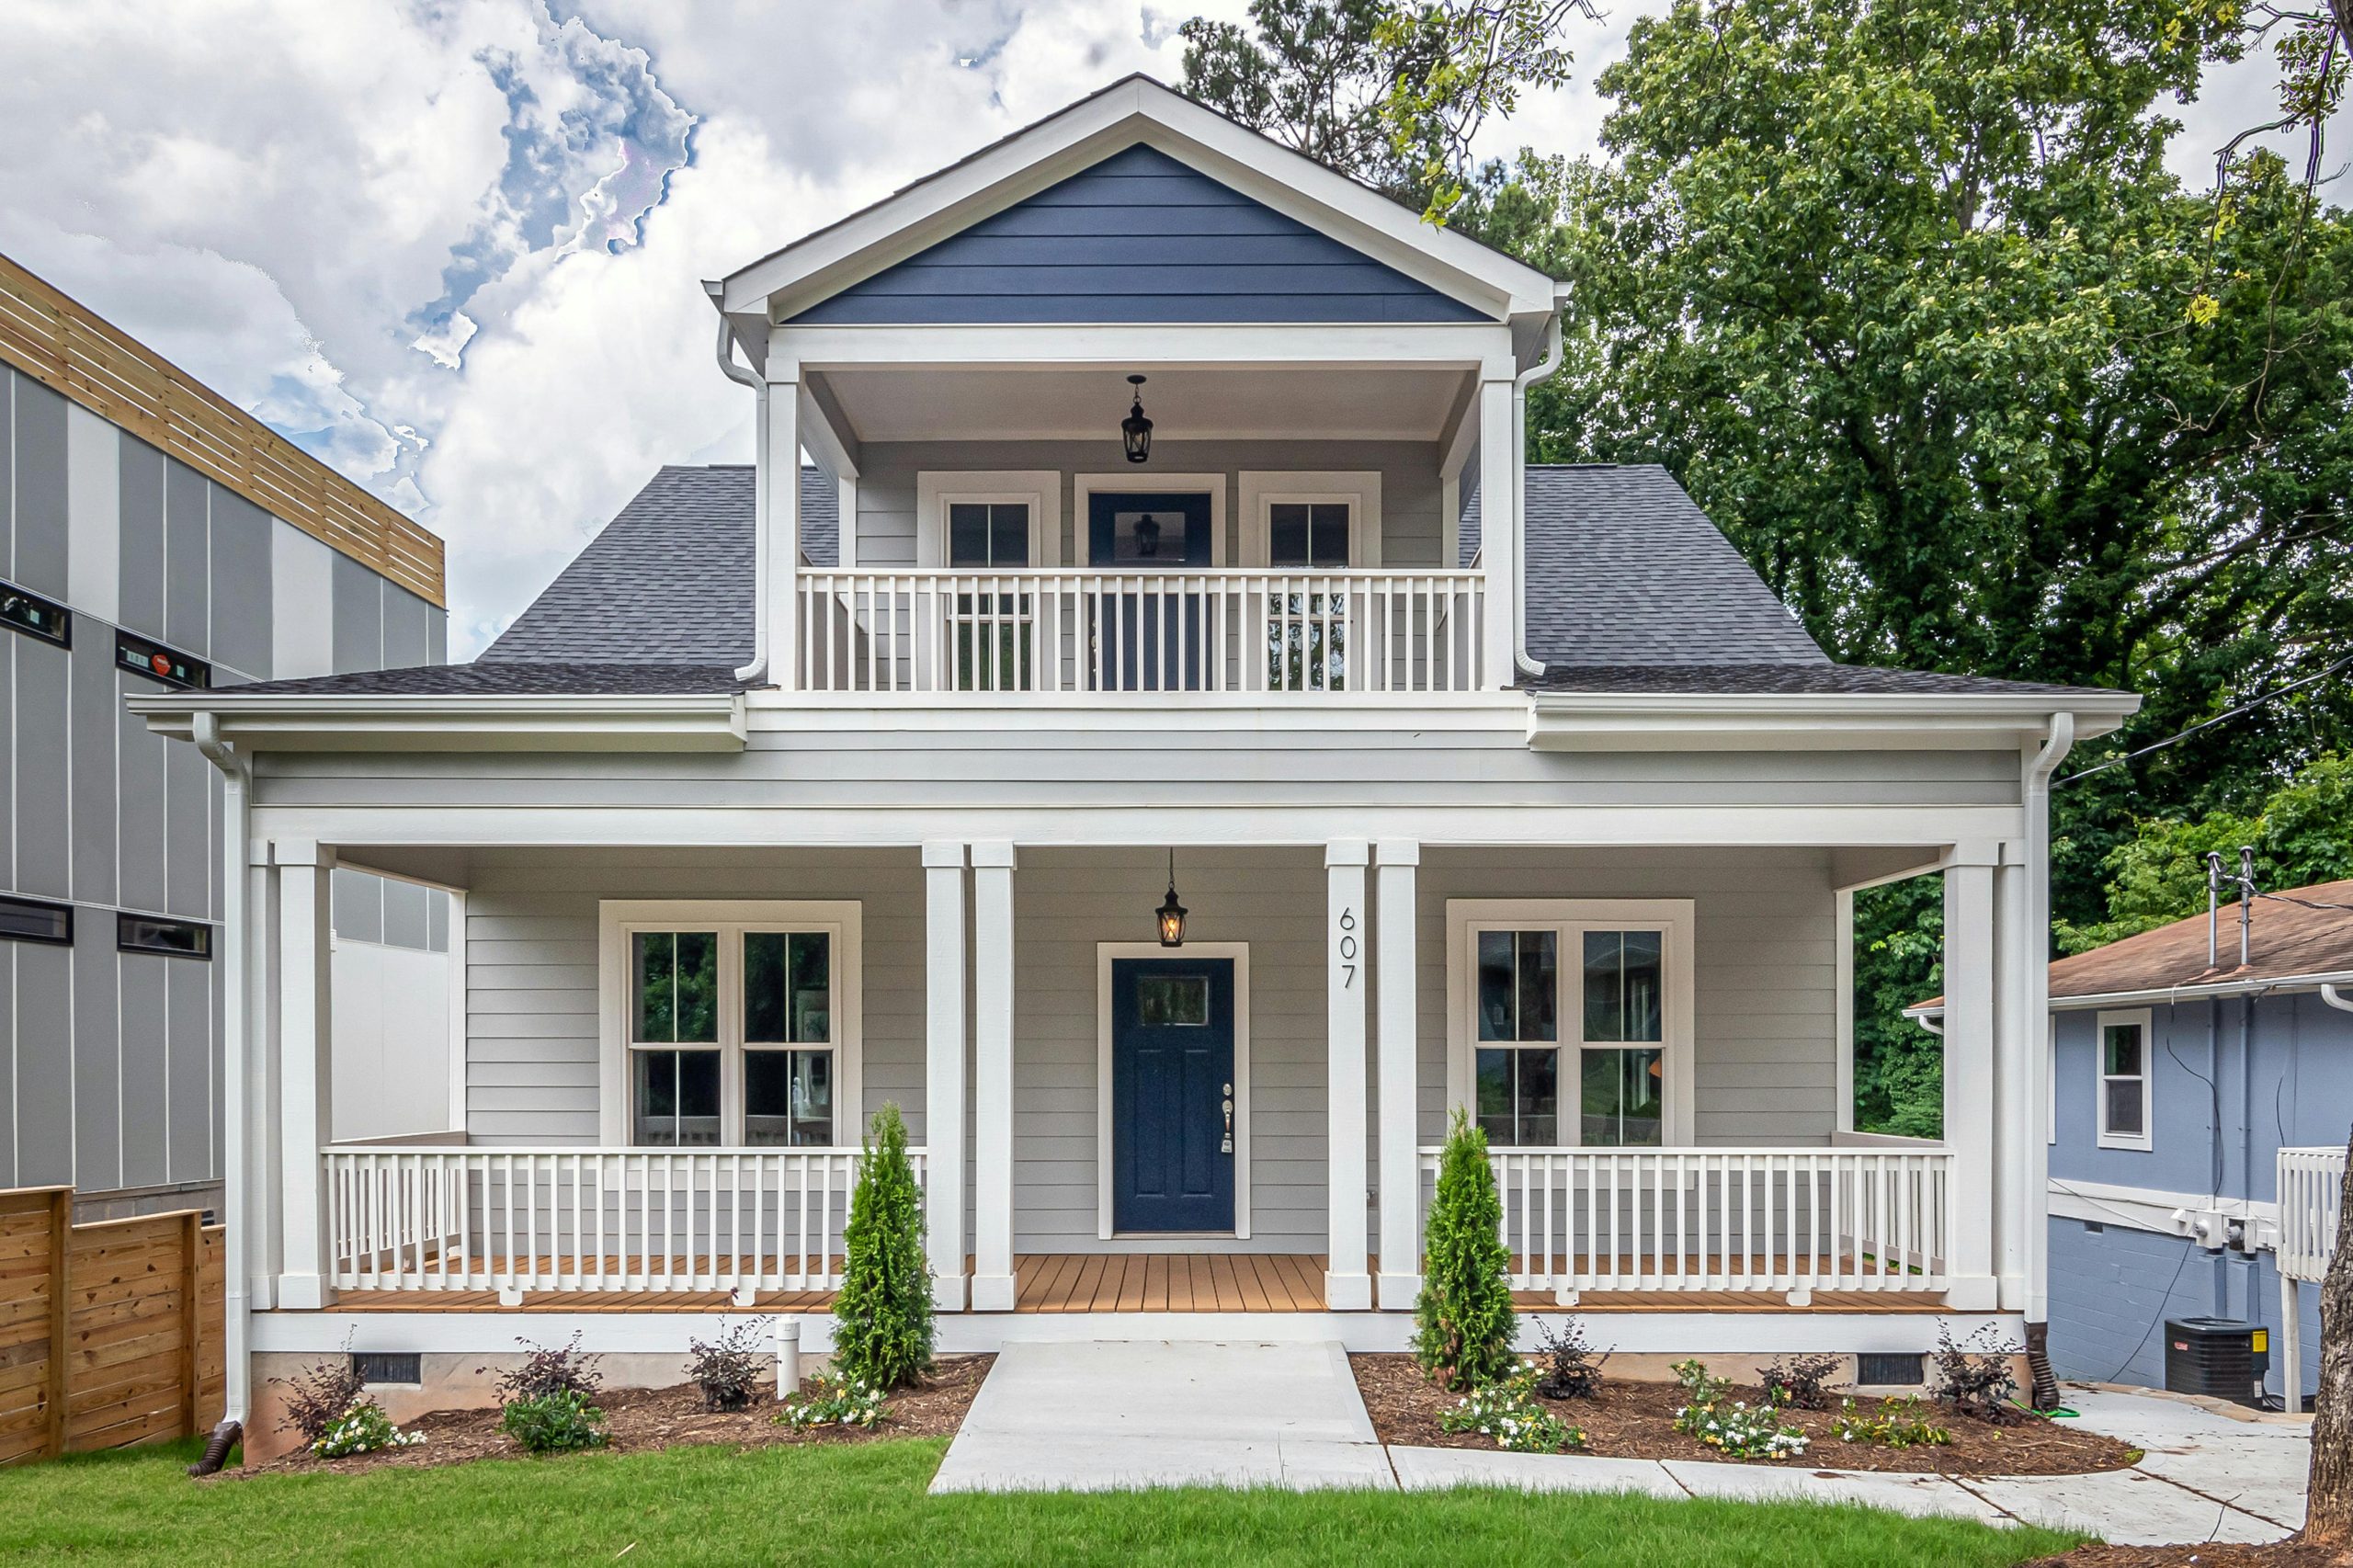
(563, 1219)
(1789, 1219)
(1104, 633)
(2312, 1188)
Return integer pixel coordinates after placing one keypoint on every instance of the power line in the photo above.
(2247, 707)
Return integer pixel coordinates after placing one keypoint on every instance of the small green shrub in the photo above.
(1729, 1426)
(362, 1430)
(884, 1314)
(1507, 1411)
(555, 1422)
(1896, 1424)
(1464, 1328)
(835, 1401)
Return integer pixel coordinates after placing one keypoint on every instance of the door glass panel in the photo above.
(675, 985)
(674, 1099)
(1155, 536)
(1621, 1100)
(788, 1098)
(1172, 999)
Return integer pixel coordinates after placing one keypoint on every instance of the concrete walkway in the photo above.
(1105, 1414)
(1112, 1415)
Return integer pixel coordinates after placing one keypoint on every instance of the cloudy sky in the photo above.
(454, 247)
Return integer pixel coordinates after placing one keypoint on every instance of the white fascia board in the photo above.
(1827, 721)
(1484, 347)
(705, 723)
(1488, 713)
(1137, 110)
(2166, 995)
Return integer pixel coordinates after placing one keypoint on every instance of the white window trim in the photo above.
(1143, 481)
(2145, 1139)
(1674, 917)
(1263, 489)
(1041, 488)
(619, 918)
(1104, 953)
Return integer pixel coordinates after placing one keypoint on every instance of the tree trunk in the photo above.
(2328, 1511)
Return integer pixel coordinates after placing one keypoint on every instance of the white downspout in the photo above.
(2334, 998)
(1541, 371)
(236, 801)
(2057, 742)
(756, 671)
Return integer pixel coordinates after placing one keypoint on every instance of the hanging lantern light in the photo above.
(1171, 913)
(1135, 430)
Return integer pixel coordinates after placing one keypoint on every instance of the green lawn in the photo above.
(866, 1505)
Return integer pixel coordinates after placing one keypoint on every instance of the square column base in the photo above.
(1398, 1292)
(993, 1292)
(1348, 1293)
(1979, 1293)
(303, 1293)
(947, 1292)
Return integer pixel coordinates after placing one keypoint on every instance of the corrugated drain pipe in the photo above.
(236, 782)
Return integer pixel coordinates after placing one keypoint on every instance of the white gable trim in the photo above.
(1130, 112)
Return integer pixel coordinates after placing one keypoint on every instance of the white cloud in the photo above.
(455, 247)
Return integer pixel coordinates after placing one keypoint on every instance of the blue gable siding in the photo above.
(1139, 237)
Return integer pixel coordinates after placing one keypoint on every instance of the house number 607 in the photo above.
(1347, 924)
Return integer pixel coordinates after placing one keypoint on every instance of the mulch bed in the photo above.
(1636, 1420)
(643, 1420)
(2279, 1554)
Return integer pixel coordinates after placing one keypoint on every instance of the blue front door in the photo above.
(1172, 1095)
(1149, 641)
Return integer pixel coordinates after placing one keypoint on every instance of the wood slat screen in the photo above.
(60, 344)
(110, 1334)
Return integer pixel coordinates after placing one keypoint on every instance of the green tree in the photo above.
(1464, 1328)
(883, 1328)
(2302, 834)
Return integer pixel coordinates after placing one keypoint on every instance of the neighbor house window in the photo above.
(2123, 1060)
(733, 1030)
(1568, 1028)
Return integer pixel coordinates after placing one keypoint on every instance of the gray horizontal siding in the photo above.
(1139, 237)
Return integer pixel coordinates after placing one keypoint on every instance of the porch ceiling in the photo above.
(1186, 404)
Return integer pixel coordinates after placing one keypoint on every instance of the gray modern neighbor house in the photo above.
(151, 538)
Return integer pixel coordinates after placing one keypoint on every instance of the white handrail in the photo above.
(2312, 1186)
(944, 632)
(575, 1219)
(1789, 1219)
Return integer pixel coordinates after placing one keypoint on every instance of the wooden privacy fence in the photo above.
(110, 1332)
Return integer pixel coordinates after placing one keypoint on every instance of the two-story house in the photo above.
(1173, 745)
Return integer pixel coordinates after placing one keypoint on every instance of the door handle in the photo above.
(1227, 1146)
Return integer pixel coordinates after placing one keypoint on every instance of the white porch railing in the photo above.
(2312, 1186)
(568, 1218)
(1096, 632)
(1789, 1220)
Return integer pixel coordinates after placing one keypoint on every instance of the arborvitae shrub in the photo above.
(1464, 1328)
(883, 1333)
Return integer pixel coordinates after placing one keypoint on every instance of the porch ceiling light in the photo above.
(1135, 433)
(1171, 913)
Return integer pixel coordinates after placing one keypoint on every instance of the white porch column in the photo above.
(1969, 1076)
(1348, 1288)
(944, 1048)
(263, 1245)
(2017, 1085)
(993, 866)
(1393, 973)
(305, 1011)
(1498, 509)
(782, 454)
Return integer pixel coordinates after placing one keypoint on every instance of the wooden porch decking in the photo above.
(1137, 1282)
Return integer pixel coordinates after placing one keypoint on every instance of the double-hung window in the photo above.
(2123, 1051)
(1571, 1021)
(730, 1024)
